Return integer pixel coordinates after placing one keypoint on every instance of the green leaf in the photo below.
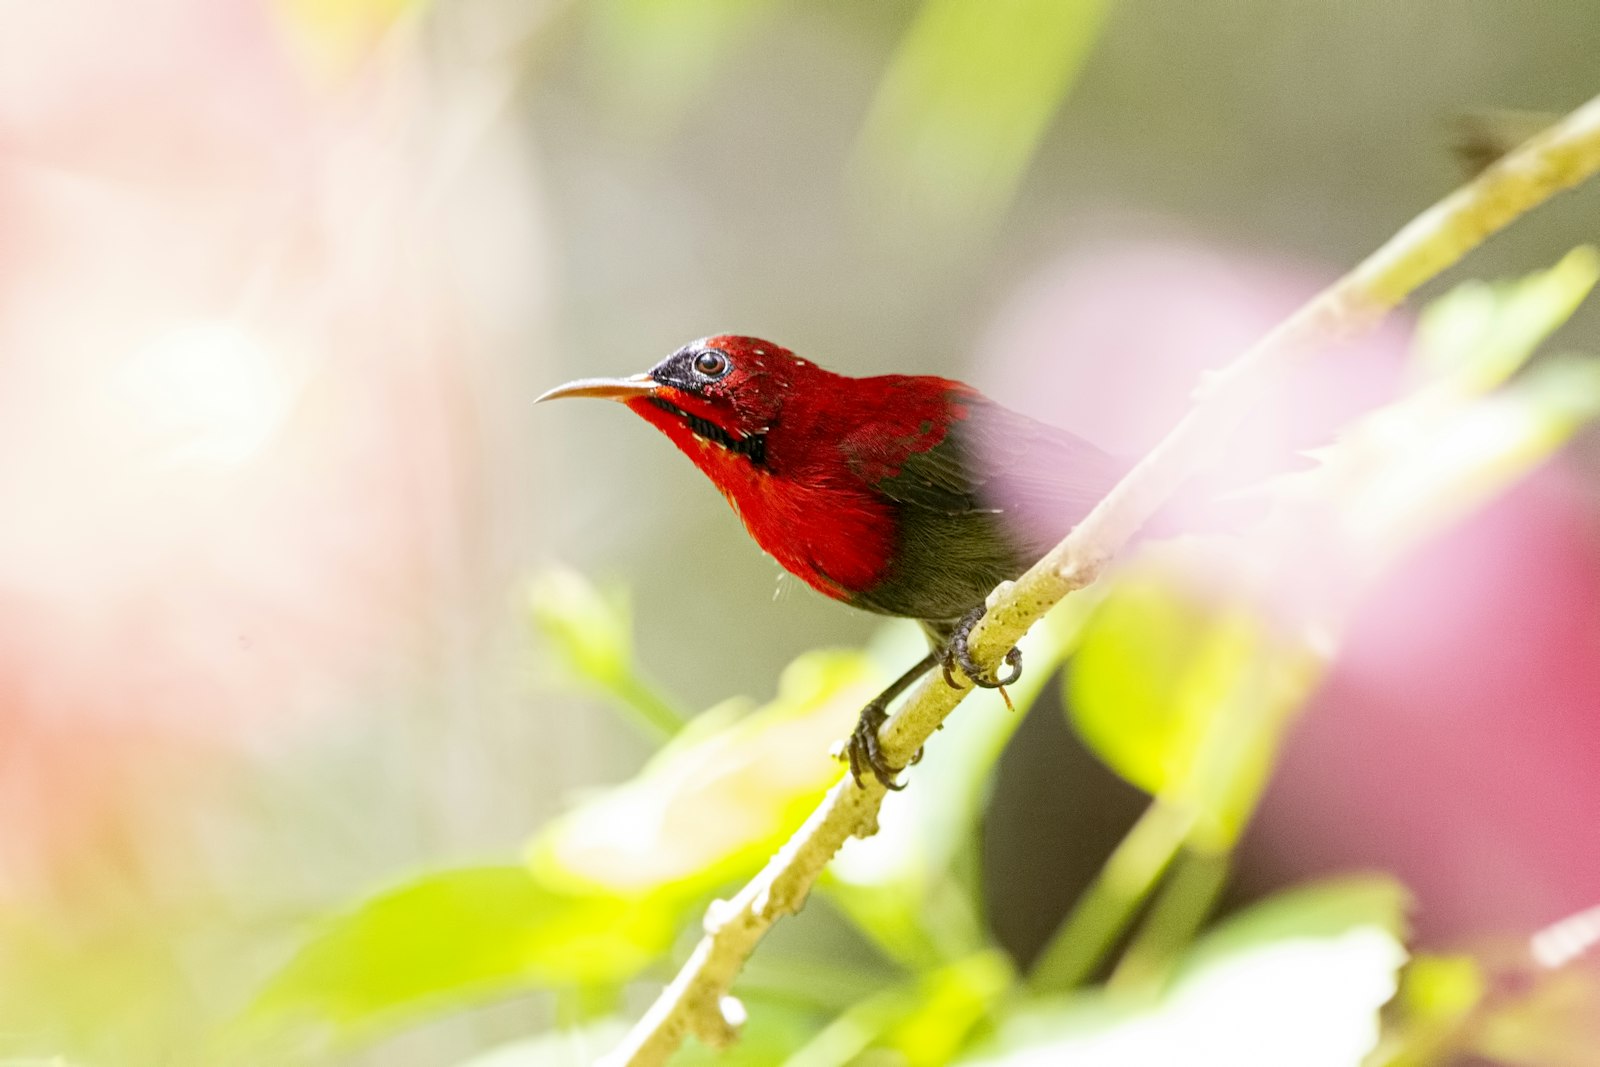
(456, 937)
(949, 1004)
(1322, 910)
(924, 1022)
(1296, 980)
(966, 98)
(1443, 987)
(1477, 335)
(1406, 470)
(1433, 1012)
(1184, 692)
(592, 633)
(658, 58)
(1392, 497)
(714, 804)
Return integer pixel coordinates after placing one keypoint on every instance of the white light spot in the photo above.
(209, 394)
(718, 913)
(733, 1012)
(1560, 944)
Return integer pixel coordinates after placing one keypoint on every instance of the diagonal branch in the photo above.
(698, 999)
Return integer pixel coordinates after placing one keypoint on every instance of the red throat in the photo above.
(808, 507)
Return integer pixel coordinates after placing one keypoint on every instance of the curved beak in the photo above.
(604, 388)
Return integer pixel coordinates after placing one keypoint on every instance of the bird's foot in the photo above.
(865, 752)
(957, 654)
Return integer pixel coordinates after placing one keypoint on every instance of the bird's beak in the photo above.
(605, 388)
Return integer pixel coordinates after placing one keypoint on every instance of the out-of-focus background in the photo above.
(279, 280)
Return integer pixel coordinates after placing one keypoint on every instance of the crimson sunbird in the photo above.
(904, 495)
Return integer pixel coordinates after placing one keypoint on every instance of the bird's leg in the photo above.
(957, 654)
(863, 750)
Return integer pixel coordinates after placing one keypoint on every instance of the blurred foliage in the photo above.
(1464, 432)
(1182, 676)
(922, 1023)
(1193, 665)
(455, 937)
(1296, 979)
(965, 102)
(1184, 695)
(592, 633)
(661, 56)
(713, 804)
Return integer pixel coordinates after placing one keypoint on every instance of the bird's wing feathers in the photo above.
(997, 461)
(1029, 466)
(978, 492)
(939, 478)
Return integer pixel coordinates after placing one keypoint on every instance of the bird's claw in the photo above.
(958, 654)
(865, 752)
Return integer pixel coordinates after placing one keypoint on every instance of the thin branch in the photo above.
(698, 999)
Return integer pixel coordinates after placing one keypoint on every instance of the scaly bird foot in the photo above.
(957, 654)
(865, 751)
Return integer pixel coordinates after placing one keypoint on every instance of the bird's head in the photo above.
(718, 392)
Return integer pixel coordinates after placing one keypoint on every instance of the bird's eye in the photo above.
(711, 364)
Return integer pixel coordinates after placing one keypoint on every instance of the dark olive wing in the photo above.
(977, 507)
(992, 460)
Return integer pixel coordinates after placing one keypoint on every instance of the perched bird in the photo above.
(904, 495)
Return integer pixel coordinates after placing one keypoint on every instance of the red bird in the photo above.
(902, 494)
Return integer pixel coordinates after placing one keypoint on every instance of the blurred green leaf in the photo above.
(965, 101)
(103, 979)
(1437, 999)
(1330, 909)
(900, 887)
(1392, 493)
(1480, 333)
(1442, 986)
(592, 633)
(1184, 693)
(1185, 899)
(1111, 903)
(950, 1003)
(924, 1022)
(455, 937)
(1462, 435)
(713, 805)
(1298, 979)
(659, 57)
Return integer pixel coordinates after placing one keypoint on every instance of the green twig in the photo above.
(1180, 909)
(644, 707)
(1111, 903)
